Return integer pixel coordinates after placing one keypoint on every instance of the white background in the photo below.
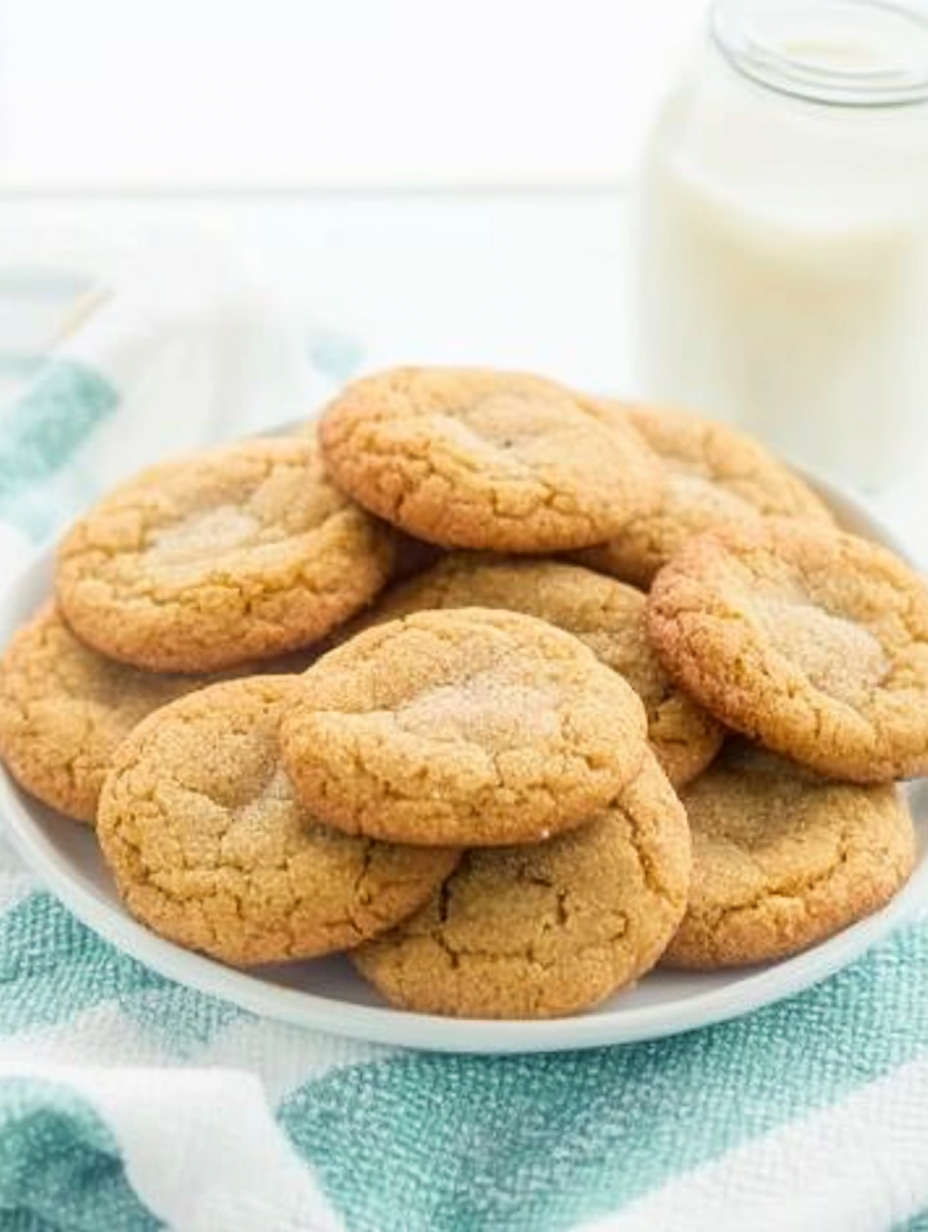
(331, 93)
(436, 180)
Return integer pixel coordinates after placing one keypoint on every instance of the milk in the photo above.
(783, 248)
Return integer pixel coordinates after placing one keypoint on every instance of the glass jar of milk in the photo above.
(783, 234)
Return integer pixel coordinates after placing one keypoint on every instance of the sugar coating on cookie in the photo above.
(210, 848)
(65, 709)
(783, 859)
(220, 557)
(471, 727)
(480, 459)
(713, 476)
(606, 615)
(550, 929)
(812, 641)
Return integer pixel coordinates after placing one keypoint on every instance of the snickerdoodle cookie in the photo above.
(534, 932)
(713, 476)
(603, 613)
(481, 459)
(783, 859)
(64, 710)
(470, 727)
(211, 849)
(810, 640)
(220, 557)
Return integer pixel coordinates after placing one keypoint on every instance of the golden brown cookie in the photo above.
(64, 710)
(220, 557)
(210, 848)
(480, 459)
(713, 476)
(534, 932)
(470, 727)
(783, 859)
(604, 614)
(812, 641)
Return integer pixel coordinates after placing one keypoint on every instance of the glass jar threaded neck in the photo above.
(851, 53)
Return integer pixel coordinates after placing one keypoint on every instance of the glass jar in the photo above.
(782, 279)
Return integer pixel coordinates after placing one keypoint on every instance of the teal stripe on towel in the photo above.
(60, 1166)
(423, 1143)
(52, 968)
(41, 430)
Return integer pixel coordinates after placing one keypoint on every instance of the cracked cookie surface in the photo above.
(812, 641)
(713, 476)
(534, 932)
(64, 710)
(471, 726)
(606, 615)
(210, 848)
(220, 557)
(783, 859)
(494, 460)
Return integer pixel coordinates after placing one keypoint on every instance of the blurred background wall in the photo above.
(204, 94)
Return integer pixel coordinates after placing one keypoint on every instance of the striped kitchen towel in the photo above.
(129, 1104)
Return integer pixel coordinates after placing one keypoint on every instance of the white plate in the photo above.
(327, 995)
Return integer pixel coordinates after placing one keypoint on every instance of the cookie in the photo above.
(210, 848)
(469, 727)
(218, 558)
(535, 932)
(604, 614)
(713, 476)
(812, 641)
(64, 710)
(479, 459)
(783, 859)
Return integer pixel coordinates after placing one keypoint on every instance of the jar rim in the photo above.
(849, 53)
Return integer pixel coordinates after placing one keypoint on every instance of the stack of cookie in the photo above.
(402, 692)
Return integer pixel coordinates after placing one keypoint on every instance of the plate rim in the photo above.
(750, 988)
